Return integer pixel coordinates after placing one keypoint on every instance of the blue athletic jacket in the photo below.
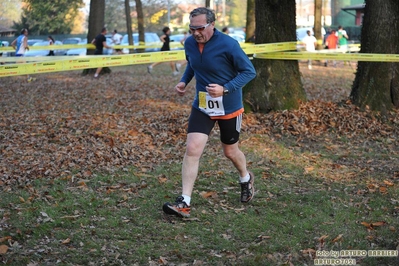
(222, 62)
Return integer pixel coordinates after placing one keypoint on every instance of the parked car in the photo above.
(78, 51)
(175, 42)
(83, 51)
(150, 38)
(3, 44)
(237, 37)
(57, 50)
(71, 40)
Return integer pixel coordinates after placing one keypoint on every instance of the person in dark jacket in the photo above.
(221, 68)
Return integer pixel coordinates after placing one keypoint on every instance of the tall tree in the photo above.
(129, 29)
(114, 15)
(140, 22)
(278, 83)
(376, 84)
(9, 12)
(96, 20)
(96, 23)
(51, 17)
(250, 27)
(317, 23)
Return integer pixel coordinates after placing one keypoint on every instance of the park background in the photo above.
(86, 166)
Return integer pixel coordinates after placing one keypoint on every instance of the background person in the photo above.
(331, 44)
(116, 40)
(342, 39)
(310, 43)
(20, 44)
(50, 42)
(165, 47)
(225, 30)
(100, 42)
(221, 68)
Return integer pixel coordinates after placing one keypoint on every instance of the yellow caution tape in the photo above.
(46, 64)
(329, 56)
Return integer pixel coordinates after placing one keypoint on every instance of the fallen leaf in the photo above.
(2, 239)
(338, 238)
(3, 249)
(210, 194)
(66, 241)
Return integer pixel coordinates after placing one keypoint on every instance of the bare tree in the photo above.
(376, 84)
(129, 24)
(250, 26)
(96, 23)
(96, 20)
(140, 22)
(277, 85)
(317, 23)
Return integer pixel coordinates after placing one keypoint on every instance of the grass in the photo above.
(117, 219)
(322, 193)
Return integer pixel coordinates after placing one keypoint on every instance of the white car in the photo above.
(83, 51)
(175, 41)
(237, 37)
(151, 38)
(57, 51)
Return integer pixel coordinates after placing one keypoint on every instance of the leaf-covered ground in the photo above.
(327, 168)
(69, 125)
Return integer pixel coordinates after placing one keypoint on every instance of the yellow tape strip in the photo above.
(329, 56)
(35, 65)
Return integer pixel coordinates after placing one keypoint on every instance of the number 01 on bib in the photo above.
(211, 106)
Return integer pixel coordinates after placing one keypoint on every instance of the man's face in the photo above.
(200, 29)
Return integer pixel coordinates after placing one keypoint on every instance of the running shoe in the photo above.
(177, 66)
(179, 208)
(247, 189)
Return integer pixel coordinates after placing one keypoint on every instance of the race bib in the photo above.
(211, 106)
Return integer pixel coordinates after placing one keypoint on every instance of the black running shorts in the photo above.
(200, 122)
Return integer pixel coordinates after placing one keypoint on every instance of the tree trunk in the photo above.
(250, 27)
(140, 23)
(96, 23)
(317, 23)
(129, 25)
(376, 84)
(277, 85)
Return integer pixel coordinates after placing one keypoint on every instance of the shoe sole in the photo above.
(252, 181)
(169, 209)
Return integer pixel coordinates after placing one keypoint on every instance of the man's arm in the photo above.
(13, 44)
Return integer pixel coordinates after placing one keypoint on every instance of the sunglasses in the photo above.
(198, 28)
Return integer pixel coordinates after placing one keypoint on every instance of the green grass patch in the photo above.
(300, 207)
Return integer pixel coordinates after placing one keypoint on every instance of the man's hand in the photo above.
(214, 90)
(181, 88)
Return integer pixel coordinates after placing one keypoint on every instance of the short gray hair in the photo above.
(210, 14)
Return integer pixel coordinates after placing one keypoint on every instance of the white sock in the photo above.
(245, 178)
(95, 75)
(187, 199)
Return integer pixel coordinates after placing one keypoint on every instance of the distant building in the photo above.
(6, 32)
(357, 11)
(334, 12)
